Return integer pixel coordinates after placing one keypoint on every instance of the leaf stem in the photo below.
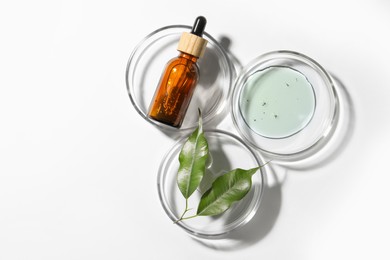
(190, 217)
(182, 215)
(182, 218)
(265, 163)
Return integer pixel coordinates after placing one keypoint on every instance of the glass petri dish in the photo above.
(147, 62)
(228, 152)
(284, 104)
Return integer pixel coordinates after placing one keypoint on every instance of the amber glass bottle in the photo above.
(178, 81)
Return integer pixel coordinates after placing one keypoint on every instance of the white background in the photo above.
(78, 165)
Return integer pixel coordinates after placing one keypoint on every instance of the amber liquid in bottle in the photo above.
(178, 81)
(174, 91)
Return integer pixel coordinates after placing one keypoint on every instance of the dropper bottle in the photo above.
(178, 81)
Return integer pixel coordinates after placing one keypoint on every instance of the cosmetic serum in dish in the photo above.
(277, 102)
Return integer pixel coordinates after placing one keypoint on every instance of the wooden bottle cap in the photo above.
(192, 44)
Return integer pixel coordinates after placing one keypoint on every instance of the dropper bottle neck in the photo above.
(188, 56)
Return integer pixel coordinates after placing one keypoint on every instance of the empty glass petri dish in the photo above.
(284, 104)
(147, 62)
(227, 152)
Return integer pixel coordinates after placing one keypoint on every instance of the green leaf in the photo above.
(192, 160)
(225, 190)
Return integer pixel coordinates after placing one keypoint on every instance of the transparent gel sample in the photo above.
(277, 102)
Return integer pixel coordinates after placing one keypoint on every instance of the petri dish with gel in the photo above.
(285, 105)
(277, 102)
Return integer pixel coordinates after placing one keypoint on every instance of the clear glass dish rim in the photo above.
(258, 198)
(330, 88)
(220, 108)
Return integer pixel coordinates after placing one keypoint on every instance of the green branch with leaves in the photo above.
(224, 191)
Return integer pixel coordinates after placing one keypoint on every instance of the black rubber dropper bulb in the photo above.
(199, 25)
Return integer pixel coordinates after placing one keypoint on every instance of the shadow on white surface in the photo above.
(226, 43)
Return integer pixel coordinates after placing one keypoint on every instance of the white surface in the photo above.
(78, 165)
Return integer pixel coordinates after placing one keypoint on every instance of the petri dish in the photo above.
(147, 62)
(284, 104)
(228, 152)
